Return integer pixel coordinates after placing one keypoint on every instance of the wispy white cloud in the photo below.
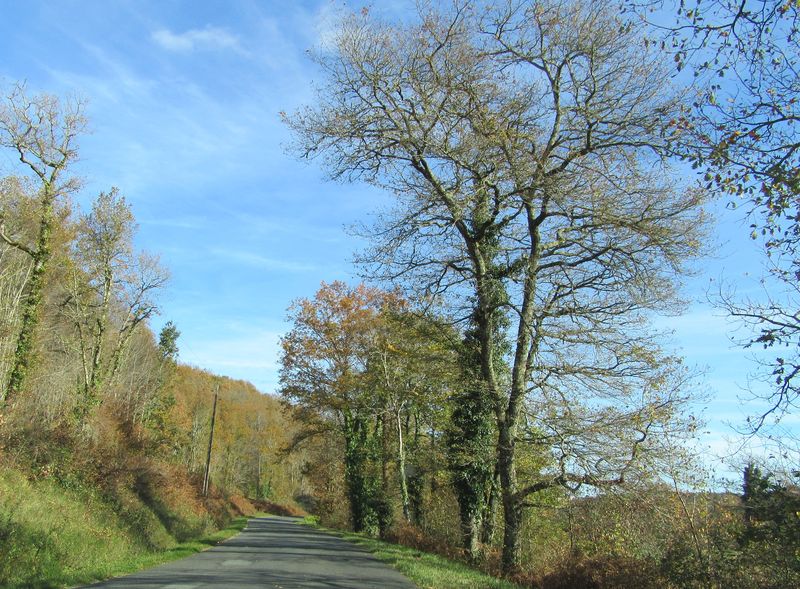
(156, 118)
(327, 19)
(259, 261)
(262, 225)
(329, 16)
(196, 39)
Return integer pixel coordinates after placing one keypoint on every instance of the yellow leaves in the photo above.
(353, 347)
(330, 342)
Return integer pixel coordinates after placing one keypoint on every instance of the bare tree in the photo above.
(112, 290)
(43, 133)
(137, 302)
(524, 146)
(15, 270)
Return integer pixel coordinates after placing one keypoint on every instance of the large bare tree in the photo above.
(42, 131)
(524, 145)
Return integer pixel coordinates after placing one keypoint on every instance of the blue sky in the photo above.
(184, 101)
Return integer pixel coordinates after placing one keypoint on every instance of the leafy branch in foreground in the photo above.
(741, 133)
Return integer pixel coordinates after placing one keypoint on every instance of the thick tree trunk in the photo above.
(360, 489)
(473, 443)
(471, 456)
(24, 352)
(489, 517)
(470, 529)
(512, 512)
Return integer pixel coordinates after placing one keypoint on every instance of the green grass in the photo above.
(181, 550)
(428, 571)
(52, 536)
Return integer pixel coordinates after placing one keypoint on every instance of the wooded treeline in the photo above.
(507, 375)
(401, 445)
(91, 400)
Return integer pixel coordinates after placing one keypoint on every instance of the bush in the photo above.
(620, 572)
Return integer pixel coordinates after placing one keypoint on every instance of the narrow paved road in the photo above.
(271, 552)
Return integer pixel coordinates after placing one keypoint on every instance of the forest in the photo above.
(496, 388)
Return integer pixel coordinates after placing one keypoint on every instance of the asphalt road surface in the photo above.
(271, 552)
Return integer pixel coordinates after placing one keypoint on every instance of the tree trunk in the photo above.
(258, 476)
(489, 517)
(401, 463)
(512, 512)
(99, 339)
(206, 478)
(485, 400)
(416, 480)
(470, 530)
(23, 354)
(526, 346)
(471, 458)
(356, 476)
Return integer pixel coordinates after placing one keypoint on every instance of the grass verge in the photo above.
(428, 571)
(140, 561)
(181, 550)
(52, 536)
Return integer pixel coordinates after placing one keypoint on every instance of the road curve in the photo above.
(270, 552)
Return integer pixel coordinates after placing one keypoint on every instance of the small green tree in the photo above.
(770, 537)
(771, 510)
(168, 341)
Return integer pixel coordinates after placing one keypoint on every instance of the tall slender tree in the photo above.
(43, 132)
(112, 291)
(413, 368)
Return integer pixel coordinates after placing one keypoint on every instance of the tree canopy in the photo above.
(525, 145)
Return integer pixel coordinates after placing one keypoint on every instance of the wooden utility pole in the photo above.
(210, 441)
